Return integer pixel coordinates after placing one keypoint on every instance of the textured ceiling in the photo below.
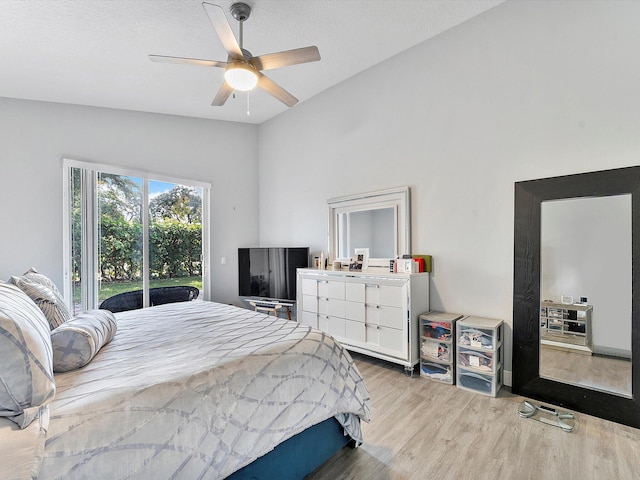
(94, 52)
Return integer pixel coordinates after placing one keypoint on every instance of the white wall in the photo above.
(529, 89)
(34, 136)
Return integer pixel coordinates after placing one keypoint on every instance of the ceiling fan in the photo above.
(243, 71)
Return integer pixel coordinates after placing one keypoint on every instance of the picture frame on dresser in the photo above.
(362, 258)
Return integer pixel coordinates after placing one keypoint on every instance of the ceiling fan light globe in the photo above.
(241, 77)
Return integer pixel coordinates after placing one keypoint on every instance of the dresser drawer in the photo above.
(355, 311)
(355, 292)
(334, 326)
(356, 332)
(383, 315)
(309, 318)
(310, 303)
(330, 306)
(379, 294)
(309, 286)
(331, 289)
(388, 340)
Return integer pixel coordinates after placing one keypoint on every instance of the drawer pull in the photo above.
(371, 285)
(368, 305)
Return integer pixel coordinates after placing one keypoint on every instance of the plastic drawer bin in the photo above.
(478, 338)
(438, 347)
(437, 371)
(477, 382)
(436, 350)
(436, 330)
(484, 362)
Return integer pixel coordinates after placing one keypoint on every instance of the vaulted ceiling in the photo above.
(95, 52)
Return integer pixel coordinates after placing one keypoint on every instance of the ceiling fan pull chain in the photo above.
(248, 105)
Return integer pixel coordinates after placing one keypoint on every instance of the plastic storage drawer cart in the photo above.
(479, 354)
(437, 346)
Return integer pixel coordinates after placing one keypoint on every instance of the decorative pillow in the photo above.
(77, 341)
(45, 294)
(26, 368)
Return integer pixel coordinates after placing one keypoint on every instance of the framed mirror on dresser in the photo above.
(576, 300)
(379, 221)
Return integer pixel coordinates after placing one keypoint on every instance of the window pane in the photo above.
(175, 235)
(120, 235)
(75, 198)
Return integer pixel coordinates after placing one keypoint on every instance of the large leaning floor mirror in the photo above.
(576, 330)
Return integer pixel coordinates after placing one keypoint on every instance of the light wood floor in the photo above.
(421, 429)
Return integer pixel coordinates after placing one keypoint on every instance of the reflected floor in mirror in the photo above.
(591, 371)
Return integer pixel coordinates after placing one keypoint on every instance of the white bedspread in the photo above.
(197, 390)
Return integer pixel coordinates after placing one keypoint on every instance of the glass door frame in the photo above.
(90, 277)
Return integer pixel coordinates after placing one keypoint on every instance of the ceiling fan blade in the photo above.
(223, 29)
(222, 95)
(276, 90)
(286, 58)
(188, 61)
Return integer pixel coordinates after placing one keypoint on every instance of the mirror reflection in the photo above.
(586, 294)
(373, 229)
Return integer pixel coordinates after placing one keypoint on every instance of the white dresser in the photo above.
(371, 313)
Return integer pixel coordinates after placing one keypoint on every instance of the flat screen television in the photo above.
(270, 272)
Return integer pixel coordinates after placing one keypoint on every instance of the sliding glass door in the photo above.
(119, 235)
(130, 235)
(175, 235)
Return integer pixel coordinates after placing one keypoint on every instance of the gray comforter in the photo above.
(197, 390)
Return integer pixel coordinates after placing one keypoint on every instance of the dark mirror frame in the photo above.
(526, 380)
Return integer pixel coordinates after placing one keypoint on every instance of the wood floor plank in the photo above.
(422, 429)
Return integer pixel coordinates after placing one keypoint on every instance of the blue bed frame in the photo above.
(298, 456)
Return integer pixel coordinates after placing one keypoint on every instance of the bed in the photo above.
(189, 390)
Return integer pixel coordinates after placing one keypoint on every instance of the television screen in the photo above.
(270, 272)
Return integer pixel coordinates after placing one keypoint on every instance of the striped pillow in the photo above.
(45, 294)
(26, 367)
(77, 341)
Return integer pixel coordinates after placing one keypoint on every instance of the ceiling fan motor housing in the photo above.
(240, 11)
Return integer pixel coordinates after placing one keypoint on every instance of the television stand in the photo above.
(270, 306)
